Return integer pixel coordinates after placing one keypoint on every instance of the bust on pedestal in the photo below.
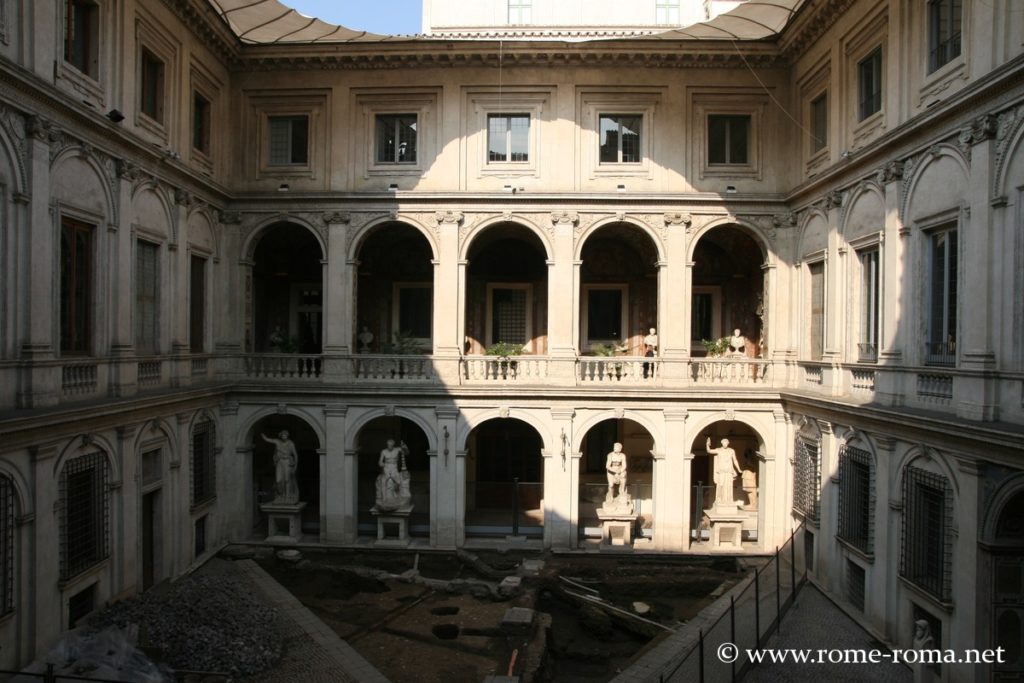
(617, 515)
(284, 512)
(393, 503)
(725, 515)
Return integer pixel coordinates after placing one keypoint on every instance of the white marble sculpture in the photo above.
(393, 480)
(286, 459)
(616, 467)
(365, 338)
(737, 343)
(726, 467)
(651, 343)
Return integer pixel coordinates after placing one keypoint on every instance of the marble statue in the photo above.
(923, 640)
(393, 481)
(737, 343)
(286, 459)
(277, 338)
(365, 338)
(651, 343)
(616, 469)
(725, 469)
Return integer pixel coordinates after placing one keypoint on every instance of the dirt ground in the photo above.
(425, 634)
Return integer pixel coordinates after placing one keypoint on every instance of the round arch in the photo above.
(482, 226)
(708, 420)
(468, 424)
(753, 231)
(85, 443)
(855, 437)
(364, 231)
(813, 214)
(13, 161)
(246, 433)
(659, 247)
(864, 191)
(69, 153)
(1006, 163)
(199, 416)
(352, 430)
(200, 218)
(252, 241)
(160, 425)
(640, 417)
(930, 455)
(22, 500)
(152, 186)
(1009, 489)
(919, 171)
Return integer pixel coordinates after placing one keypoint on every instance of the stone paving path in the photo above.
(313, 652)
(815, 622)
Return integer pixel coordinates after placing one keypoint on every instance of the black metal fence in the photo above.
(744, 623)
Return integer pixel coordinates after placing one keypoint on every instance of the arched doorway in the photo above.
(307, 471)
(287, 288)
(618, 291)
(504, 479)
(746, 488)
(370, 441)
(728, 291)
(1008, 589)
(394, 291)
(507, 291)
(637, 444)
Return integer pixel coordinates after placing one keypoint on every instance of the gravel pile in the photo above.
(209, 621)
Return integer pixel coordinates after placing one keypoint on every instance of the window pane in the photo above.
(739, 133)
(630, 139)
(152, 87)
(300, 140)
(604, 315)
(406, 138)
(701, 317)
(508, 322)
(817, 310)
(520, 137)
(197, 304)
(609, 140)
(386, 141)
(75, 286)
(717, 140)
(280, 140)
(870, 84)
(200, 123)
(497, 137)
(414, 311)
(819, 123)
(146, 298)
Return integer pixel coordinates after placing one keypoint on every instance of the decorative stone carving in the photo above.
(983, 128)
(453, 217)
(183, 197)
(677, 219)
(833, 200)
(784, 220)
(392, 486)
(230, 217)
(127, 170)
(336, 217)
(892, 171)
(570, 217)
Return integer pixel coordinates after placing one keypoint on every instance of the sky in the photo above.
(393, 17)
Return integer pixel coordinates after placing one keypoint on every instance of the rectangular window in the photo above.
(508, 137)
(200, 123)
(152, 466)
(605, 315)
(869, 84)
(666, 12)
(289, 140)
(197, 304)
(945, 19)
(728, 139)
(701, 317)
(855, 583)
(519, 11)
(81, 36)
(927, 550)
(415, 311)
(203, 464)
(85, 513)
(942, 294)
(151, 86)
(81, 604)
(620, 138)
(509, 316)
(6, 545)
(855, 498)
(806, 478)
(867, 342)
(75, 286)
(396, 138)
(819, 122)
(147, 297)
(199, 537)
(817, 320)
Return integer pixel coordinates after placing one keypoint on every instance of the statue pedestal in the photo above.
(284, 521)
(617, 525)
(399, 517)
(726, 525)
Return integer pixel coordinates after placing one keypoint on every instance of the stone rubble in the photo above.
(205, 622)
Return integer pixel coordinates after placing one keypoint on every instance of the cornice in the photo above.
(812, 21)
(207, 26)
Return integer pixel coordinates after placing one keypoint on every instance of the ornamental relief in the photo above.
(13, 124)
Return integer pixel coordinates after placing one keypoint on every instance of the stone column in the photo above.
(333, 484)
(177, 281)
(40, 341)
(563, 296)
(460, 498)
(561, 484)
(47, 610)
(228, 288)
(338, 310)
(449, 297)
(444, 486)
(876, 602)
(835, 288)
(671, 479)
(967, 587)
(976, 394)
(674, 305)
(348, 497)
(124, 368)
(894, 293)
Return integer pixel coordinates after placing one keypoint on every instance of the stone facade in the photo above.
(196, 230)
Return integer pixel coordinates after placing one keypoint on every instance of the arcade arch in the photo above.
(504, 479)
(370, 440)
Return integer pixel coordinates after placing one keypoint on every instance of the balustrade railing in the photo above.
(78, 379)
(283, 366)
(385, 367)
(522, 369)
(730, 371)
(935, 387)
(150, 372)
(618, 370)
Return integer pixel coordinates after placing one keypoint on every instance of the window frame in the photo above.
(875, 58)
(915, 557)
(736, 102)
(715, 292)
(619, 161)
(68, 307)
(396, 120)
(817, 332)
(152, 86)
(818, 139)
(98, 462)
(942, 353)
(203, 486)
(728, 118)
(202, 123)
(523, 9)
(489, 326)
(293, 147)
(197, 341)
(152, 38)
(154, 345)
(509, 138)
(856, 503)
(807, 477)
(396, 310)
(585, 340)
(869, 302)
(90, 62)
(592, 102)
(937, 42)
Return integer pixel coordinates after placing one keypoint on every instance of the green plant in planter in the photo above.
(608, 350)
(504, 349)
(715, 347)
(403, 344)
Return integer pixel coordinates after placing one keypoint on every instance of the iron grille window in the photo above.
(945, 20)
(204, 471)
(620, 138)
(869, 84)
(6, 545)
(806, 468)
(926, 557)
(855, 580)
(856, 498)
(396, 138)
(84, 514)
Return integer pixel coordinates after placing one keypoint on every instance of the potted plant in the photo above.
(610, 351)
(715, 347)
(505, 366)
(402, 344)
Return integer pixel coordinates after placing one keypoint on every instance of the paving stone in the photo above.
(517, 619)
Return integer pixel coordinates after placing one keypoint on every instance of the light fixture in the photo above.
(846, 154)
(115, 115)
(283, 187)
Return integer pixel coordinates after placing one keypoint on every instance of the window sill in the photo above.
(938, 81)
(151, 125)
(731, 171)
(866, 129)
(202, 508)
(83, 576)
(82, 83)
(395, 170)
(854, 550)
(924, 595)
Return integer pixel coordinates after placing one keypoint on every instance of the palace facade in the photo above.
(221, 219)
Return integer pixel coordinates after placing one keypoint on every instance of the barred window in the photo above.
(84, 513)
(203, 464)
(926, 557)
(6, 545)
(856, 498)
(855, 584)
(806, 468)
